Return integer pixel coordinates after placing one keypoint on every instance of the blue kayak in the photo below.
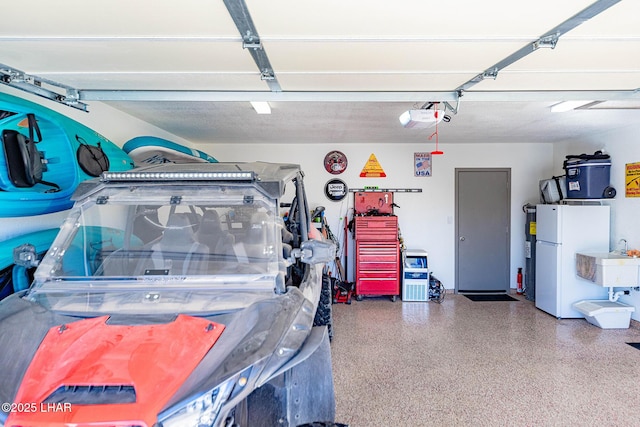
(45, 155)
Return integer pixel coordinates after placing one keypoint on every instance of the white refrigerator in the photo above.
(561, 231)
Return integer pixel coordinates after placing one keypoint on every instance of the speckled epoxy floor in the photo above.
(464, 363)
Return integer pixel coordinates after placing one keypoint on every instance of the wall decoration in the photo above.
(335, 162)
(632, 180)
(422, 164)
(372, 168)
(335, 189)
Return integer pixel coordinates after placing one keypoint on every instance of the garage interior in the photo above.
(336, 77)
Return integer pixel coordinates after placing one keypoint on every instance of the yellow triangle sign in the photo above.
(372, 168)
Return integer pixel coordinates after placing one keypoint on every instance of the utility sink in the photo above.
(608, 269)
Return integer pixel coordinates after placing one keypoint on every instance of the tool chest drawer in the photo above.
(377, 286)
(376, 228)
(377, 253)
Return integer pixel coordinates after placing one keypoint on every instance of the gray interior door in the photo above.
(483, 200)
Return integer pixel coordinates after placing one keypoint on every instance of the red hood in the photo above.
(154, 359)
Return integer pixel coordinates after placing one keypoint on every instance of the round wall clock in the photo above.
(335, 162)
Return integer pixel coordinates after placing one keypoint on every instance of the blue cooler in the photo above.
(588, 176)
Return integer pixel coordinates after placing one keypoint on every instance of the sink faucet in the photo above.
(626, 246)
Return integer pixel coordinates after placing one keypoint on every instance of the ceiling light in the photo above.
(420, 119)
(261, 107)
(568, 105)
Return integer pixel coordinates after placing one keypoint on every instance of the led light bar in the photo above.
(177, 176)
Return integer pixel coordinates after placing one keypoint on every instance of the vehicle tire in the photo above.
(324, 315)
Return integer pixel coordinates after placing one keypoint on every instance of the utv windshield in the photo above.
(179, 248)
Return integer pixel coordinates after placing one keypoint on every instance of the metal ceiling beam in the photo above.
(20, 80)
(548, 39)
(311, 96)
(240, 96)
(251, 40)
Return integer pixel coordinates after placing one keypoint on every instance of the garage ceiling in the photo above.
(338, 71)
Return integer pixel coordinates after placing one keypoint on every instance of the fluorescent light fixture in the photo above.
(261, 107)
(568, 106)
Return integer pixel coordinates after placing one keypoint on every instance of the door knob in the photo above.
(462, 239)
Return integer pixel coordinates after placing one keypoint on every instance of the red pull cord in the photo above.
(436, 134)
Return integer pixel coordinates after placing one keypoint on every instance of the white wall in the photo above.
(624, 147)
(107, 121)
(427, 218)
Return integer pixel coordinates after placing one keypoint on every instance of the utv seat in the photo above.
(256, 249)
(177, 252)
(211, 234)
(25, 163)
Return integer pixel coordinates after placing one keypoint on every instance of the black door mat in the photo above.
(634, 345)
(499, 297)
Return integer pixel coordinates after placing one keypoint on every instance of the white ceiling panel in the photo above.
(572, 55)
(574, 64)
(126, 56)
(409, 18)
(371, 81)
(620, 20)
(560, 81)
(451, 57)
(81, 18)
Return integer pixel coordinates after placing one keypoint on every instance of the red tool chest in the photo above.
(377, 256)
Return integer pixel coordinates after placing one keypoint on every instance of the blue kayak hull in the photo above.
(62, 137)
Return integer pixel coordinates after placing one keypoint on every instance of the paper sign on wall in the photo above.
(422, 164)
(632, 180)
(372, 169)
